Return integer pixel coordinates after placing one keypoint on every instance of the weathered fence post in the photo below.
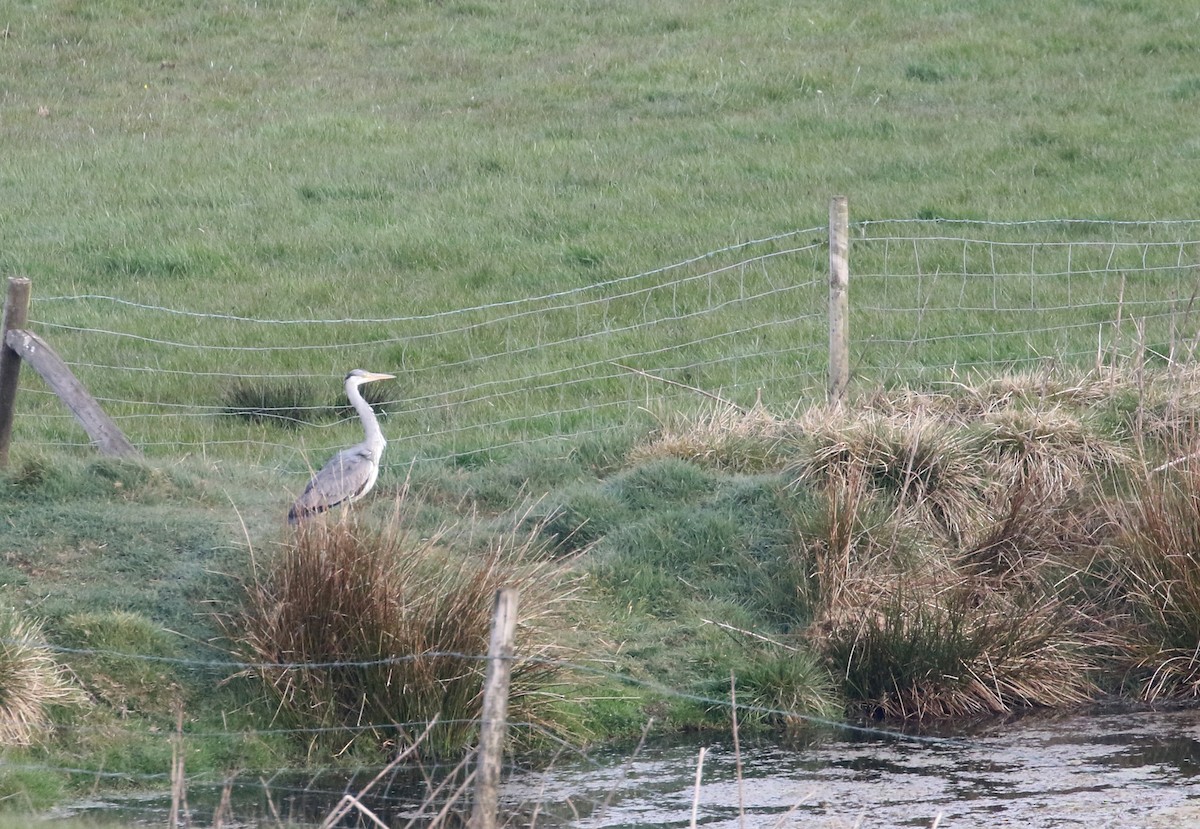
(495, 710)
(16, 310)
(839, 308)
(107, 436)
(17, 346)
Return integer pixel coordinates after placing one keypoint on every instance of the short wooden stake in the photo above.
(495, 710)
(16, 311)
(696, 788)
(839, 308)
(179, 806)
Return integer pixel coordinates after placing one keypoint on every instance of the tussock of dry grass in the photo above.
(1171, 426)
(350, 624)
(938, 636)
(1046, 387)
(918, 626)
(32, 682)
(939, 649)
(965, 560)
(1030, 534)
(1054, 451)
(927, 470)
(970, 400)
(934, 467)
(725, 437)
(1158, 547)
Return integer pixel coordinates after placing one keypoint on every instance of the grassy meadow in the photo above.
(300, 188)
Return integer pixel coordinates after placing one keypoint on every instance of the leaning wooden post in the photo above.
(16, 311)
(42, 358)
(495, 710)
(839, 307)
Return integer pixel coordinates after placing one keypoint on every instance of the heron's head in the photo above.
(360, 376)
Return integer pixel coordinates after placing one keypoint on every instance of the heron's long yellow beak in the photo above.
(372, 376)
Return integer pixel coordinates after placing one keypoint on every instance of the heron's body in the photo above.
(352, 472)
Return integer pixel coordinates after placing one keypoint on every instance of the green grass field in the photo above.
(388, 161)
(407, 176)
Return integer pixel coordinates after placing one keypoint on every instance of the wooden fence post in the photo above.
(495, 710)
(839, 307)
(17, 346)
(16, 311)
(109, 439)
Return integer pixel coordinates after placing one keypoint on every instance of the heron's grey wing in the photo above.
(344, 478)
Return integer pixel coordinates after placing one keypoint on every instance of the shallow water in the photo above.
(1114, 770)
(1130, 770)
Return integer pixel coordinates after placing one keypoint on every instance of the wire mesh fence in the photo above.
(939, 300)
(930, 301)
(737, 322)
(472, 379)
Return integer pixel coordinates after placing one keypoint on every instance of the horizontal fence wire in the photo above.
(930, 301)
(573, 362)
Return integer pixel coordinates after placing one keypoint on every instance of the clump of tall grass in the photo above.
(1054, 452)
(1167, 420)
(32, 682)
(784, 684)
(378, 629)
(1158, 553)
(914, 627)
(926, 469)
(725, 436)
(288, 403)
(1050, 386)
(968, 401)
(845, 538)
(940, 648)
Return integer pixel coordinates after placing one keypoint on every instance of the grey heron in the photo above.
(351, 473)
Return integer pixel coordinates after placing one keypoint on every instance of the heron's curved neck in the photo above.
(375, 439)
